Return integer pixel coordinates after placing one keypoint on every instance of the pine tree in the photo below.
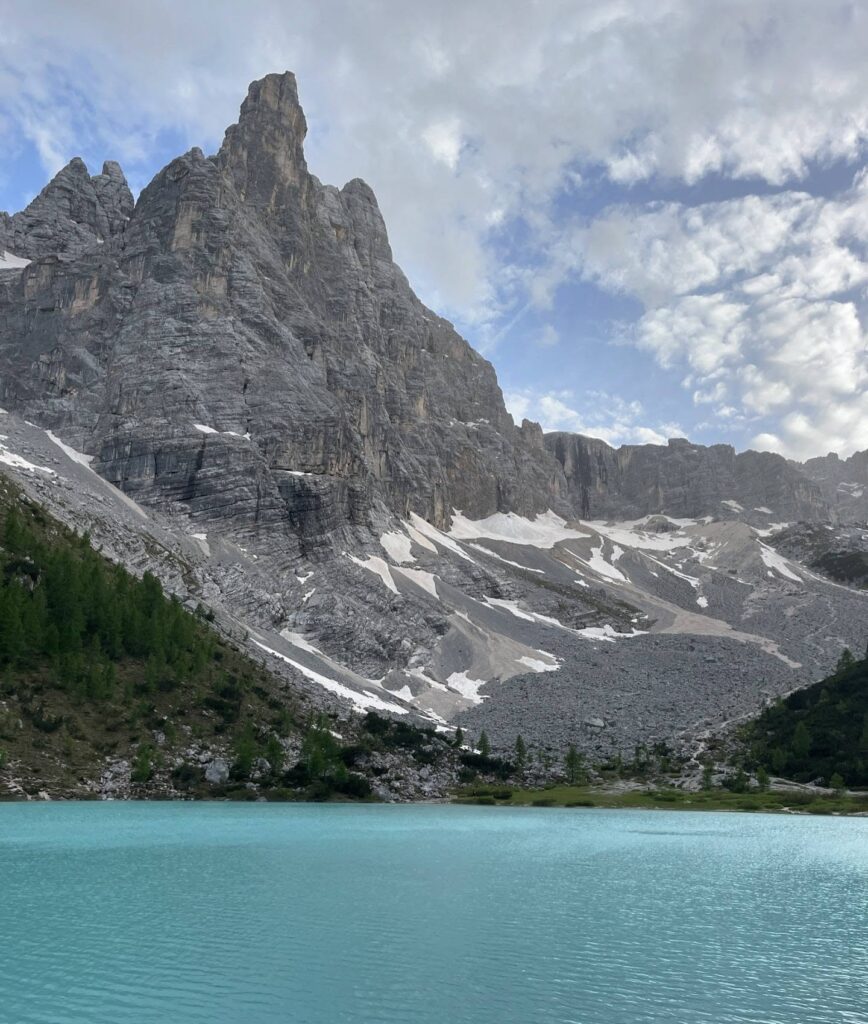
(274, 754)
(573, 764)
(837, 783)
(762, 779)
(520, 752)
(484, 744)
(12, 637)
(846, 661)
(245, 752)
(801, 746)
(707, 774)
(459, 737)
(143, 767)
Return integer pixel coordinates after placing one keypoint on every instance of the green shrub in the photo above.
(186, 775)
(355, 786)
(491, 765)
(143, 766)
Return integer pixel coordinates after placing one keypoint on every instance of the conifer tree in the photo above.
(484, 744)
(573, 764)
(801, 742)
(846, 661)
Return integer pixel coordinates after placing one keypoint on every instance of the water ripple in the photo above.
(132, 914)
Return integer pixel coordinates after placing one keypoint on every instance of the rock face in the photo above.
(681, 479)
(72, 214)
(843, 483)
(241, 345)
(246, 297)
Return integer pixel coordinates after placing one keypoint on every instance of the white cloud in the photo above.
(469, 119)
(758, 303)
(443, 139)
(462, 116)
(608, 417)
(547, 337)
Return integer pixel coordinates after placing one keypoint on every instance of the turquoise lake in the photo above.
(129, 913)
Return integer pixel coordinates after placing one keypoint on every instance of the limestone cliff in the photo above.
(243, 344)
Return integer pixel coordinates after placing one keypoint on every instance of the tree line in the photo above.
(67, 611)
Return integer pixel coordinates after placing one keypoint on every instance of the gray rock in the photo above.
(217, 771)
(270, 311)
(73, 214)
(682, 480)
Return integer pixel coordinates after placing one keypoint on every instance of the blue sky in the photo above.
(652, 217)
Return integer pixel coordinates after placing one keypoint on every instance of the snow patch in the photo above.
(630, 534)
(81, 459)
(378, 566)
(775, 561)
(203, 540)
(467, 687)
(420, 538)
(365, 701)
(425, 580)
(9, 458)
(397, 547)
(297, 640)
(203, 428)
(427, 530)
(770, 529)
(546, 530)
(734, 505)
(702, 601)
(513, 608)
(682, 576)
(8, 261)
(535, 665)
(500, 558)
(607, 633)
(600, 566)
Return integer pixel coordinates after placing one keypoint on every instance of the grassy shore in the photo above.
(669, 799)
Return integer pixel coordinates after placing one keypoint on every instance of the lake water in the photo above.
(257, 914)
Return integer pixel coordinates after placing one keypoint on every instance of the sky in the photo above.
(650, 215)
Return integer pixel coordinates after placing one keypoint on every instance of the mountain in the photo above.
(682, 479)
(247, 333)
(843, 484)
(232, 386)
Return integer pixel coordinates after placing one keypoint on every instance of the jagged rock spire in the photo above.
(73, 213)
(264, 151)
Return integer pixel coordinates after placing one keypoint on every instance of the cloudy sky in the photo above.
(651, 215)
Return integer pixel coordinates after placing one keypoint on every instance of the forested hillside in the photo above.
(820, 732)
(108, 686)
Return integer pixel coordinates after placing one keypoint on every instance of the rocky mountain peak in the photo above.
(264, 150)
(72, 214)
